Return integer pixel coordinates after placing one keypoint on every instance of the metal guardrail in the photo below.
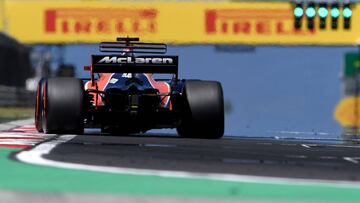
(14, 96)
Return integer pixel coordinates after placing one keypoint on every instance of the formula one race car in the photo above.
(122, 96)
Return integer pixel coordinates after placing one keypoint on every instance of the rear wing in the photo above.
(131, 45)
(134, 47)
(132, 64)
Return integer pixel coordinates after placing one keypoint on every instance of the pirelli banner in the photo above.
(2, 15)
(175, 22)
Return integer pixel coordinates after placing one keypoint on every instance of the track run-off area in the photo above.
(165, 168)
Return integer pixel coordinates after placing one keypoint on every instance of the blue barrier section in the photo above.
(272, 90)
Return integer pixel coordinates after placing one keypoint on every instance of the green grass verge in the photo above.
(18, 176)
(15, 113)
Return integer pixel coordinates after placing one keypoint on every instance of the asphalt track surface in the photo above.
(230, 155)
(220, 169)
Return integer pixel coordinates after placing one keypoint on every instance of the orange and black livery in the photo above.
(123, 96)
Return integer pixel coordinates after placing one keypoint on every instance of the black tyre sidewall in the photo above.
(64, 106)
(39, 105)
(203, 110)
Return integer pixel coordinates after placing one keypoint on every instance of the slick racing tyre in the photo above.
(63, 106)
(203, 115)
(39, 105)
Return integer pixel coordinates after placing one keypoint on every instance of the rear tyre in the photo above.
(63, 106)
(203, 110)
(39, 105)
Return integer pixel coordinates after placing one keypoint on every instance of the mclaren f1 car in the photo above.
(123, 96)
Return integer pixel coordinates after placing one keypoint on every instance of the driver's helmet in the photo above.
(126, 52)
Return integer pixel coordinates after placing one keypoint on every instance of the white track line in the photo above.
(36, 156)
(21, 135)
(19, 142)
(351, 159)
(306, 146)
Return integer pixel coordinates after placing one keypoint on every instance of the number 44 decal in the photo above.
(126, 75)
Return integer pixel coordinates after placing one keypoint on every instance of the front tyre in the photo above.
(63, 106)
(203, 115)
